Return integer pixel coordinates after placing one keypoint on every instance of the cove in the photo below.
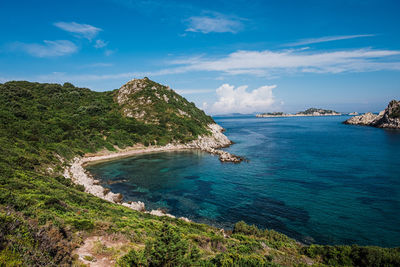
(312, 178)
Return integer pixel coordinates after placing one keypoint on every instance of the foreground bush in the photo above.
(167, 249)
(354, 255)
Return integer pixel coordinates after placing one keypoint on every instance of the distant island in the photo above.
(307, 113)
(388, 118)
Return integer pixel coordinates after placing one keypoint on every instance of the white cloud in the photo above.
(81, 30)
(100, 43)
(239, 100)
(207, 24)
(270, 63)
(48, 49)
(327, 39)
(260, 63)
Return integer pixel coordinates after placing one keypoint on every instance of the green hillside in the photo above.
(44, 217)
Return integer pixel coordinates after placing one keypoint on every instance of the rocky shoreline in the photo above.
(79, 175)
(388, 118)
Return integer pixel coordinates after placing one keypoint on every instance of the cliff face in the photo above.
(388, 118)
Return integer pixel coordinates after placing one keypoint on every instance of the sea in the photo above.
(311, 178)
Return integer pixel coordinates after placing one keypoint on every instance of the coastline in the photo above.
(388, 118)
(295, 115)
(106, 155)
(79, 175)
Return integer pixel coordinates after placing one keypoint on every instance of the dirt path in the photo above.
(102, 251)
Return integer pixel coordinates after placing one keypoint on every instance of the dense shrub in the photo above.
(167, 249)
(272, 237)
(229, 259)
(23, 242)
(354, 255)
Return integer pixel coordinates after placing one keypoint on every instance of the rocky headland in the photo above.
(130, 97)
(388, 118)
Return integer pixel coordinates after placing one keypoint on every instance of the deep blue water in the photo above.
(311, 178)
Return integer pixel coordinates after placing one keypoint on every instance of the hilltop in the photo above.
(46, 218)
(152, 103)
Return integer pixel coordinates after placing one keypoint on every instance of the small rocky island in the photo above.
(388, 118)
(307, 113)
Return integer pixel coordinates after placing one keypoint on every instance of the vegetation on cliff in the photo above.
(44, 217)
(394, 109)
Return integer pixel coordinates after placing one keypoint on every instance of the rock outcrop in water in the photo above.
(211, 143)
(388, 118)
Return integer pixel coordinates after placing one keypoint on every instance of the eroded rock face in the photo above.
(211, 143)
(128, 89)
(388, 118)
(217, 139)
(134, 108)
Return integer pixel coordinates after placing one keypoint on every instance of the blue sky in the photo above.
(226, 56)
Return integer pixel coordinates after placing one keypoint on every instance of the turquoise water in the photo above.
(313, 179)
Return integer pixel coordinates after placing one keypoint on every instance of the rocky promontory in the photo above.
(153, 104)
(388, 118)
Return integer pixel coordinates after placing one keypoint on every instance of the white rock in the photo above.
(139, 206)
(365, 119)
(160, 213)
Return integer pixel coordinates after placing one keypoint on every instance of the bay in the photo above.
(312, 178)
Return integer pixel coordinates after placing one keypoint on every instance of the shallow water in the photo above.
(311, 178)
